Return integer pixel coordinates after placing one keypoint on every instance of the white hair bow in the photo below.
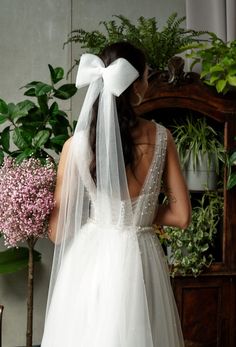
(117, 77)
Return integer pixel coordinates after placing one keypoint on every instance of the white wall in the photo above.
(32, 35)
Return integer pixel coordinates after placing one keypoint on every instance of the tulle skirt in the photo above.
(113, 290)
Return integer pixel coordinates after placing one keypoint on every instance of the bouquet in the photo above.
(26, 201)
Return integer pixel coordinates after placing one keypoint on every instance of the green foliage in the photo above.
(231, 175)
(36, 127)
(158, 45)
(16, 259)
(190, 248)
(195, 135)
(218, 63)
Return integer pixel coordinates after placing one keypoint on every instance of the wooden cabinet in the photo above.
(207, 304)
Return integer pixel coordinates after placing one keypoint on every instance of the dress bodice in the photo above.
(144, 207)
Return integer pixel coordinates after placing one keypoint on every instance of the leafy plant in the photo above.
(195, 135)
(231, 175)
(32, 129)
(190, 247)
(158, 45)
(35, 128)
(218, 63)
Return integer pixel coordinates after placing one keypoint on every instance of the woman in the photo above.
(110, 285)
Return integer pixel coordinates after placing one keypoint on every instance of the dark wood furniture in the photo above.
(206, 304)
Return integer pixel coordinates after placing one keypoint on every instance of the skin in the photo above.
(177, 212)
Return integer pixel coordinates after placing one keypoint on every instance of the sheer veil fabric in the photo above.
(99, 293)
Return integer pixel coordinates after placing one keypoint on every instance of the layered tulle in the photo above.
(113, 290)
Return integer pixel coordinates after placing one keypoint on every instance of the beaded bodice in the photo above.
(143, 208)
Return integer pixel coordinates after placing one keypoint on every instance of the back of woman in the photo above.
(110, 278)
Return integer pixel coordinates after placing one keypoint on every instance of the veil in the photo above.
(97, 294)
(80, 197)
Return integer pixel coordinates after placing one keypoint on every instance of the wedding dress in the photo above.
(114, 289)
(110, 285)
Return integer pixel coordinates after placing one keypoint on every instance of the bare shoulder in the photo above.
(67, 143)
(145, 132)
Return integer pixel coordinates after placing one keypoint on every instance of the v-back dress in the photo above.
(113, 288)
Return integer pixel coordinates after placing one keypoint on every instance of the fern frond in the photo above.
(158, 45)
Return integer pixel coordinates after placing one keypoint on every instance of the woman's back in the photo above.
(144, 137)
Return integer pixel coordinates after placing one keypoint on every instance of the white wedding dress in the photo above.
(113, 288)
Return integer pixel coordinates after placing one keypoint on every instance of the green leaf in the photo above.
(216, 68)
(220, 85)
(232, 69)
(232, 80)
(22, 109)
(1, 160)
(30, 92)
(16, 259)
(65, 91)
(204, 247)
(43, 103)
(231, 181)
(54, 109)
(5, 138)
(3, 107)
(59, 140)
(204, 73)
(31, 84)
(232, 159)
(21, 138)
(214, 78)
(41, 138)
(42, 89)
(3, 118)
(28, 152)
(11, 109)
(57, 74)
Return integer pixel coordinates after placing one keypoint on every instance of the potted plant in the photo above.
(190, 248)
(218, 64)
(37, 130)
(200, 151)
(231, 182)
(158, 45)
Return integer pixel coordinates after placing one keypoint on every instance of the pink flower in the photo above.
(26, 199)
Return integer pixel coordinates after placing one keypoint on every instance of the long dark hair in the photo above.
(126, 116)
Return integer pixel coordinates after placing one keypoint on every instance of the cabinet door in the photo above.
(205, 308)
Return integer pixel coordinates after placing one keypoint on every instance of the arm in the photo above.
(177, 212)
(57, 194)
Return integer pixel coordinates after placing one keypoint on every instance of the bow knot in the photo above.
(117, 77)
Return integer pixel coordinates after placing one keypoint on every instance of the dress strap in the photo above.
(153, 178)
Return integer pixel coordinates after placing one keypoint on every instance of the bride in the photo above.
(109, 285)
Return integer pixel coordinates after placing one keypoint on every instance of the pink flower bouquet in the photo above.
(26, 199)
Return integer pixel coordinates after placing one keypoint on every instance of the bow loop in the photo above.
(117, 77)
